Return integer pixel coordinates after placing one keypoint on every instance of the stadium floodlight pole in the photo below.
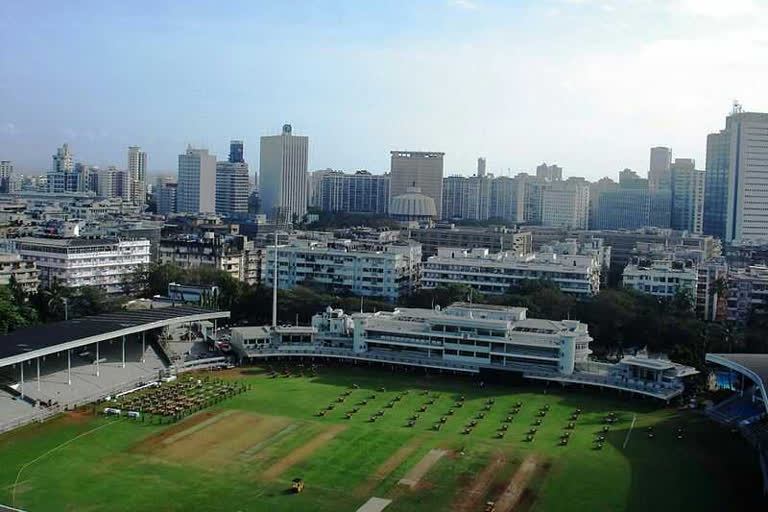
(143, 344)
(38, 373)
(69, 366)
(274, 284)
(97, 358)
(123, 350)
(22, 380)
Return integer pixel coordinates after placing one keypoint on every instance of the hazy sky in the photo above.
(590, 85)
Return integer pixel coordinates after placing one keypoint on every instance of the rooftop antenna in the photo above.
(361, 304)
(737, 108)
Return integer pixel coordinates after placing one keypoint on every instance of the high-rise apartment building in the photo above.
(533, 196)
(659, 170)
(137, 171)
(566, 204)
(687, 196)
(417, 169)
(62, 177)
(361, 192)
(6, 173)
(232, 188)
(283, 175)
(505, 199)
(166, 199)
(736, 193)
(626, 206)
(481, 167)
(196, 190)
(466, 197)
(549, 172)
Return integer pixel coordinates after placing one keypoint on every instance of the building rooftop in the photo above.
(70, 242)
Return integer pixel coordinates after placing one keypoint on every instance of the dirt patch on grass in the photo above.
(412, 478)
(517, 485)
(303, 451)
(389, 465)
(470, 496)
(76, 417)
(152, 443)
(211, 439)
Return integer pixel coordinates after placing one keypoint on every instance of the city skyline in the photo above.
(519, 83)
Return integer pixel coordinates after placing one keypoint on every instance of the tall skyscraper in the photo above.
(417, 169)
(137, 170)
(481, 167)
(687, 196)
(196, 190)
(658, 171)
(236, 151)
(626, 206)
(283, 175)
(549, 172)
(736, 191)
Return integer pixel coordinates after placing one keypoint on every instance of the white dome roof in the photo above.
(413, 204)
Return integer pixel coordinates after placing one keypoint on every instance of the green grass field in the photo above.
(243, 453)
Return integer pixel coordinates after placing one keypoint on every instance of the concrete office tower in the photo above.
(283, 175)
(481, 167)
(196, 190)
(232, 188)
(658, 171)
(83, 173)
(566, 204)
(417, 169)
(236, 151)
(549, 172)
(6, 173)
(597, 188)
(137, 170)
(687, 196)
(736, 194)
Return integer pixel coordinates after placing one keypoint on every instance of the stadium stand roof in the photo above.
(754, 366)
(42, 340)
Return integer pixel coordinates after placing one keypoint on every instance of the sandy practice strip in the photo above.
(253, 450)
(200, 426)
(411, 479)
(374, 505)
(470, 499)
(514, 490)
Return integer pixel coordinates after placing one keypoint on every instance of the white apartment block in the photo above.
(747, 293)
(663, 279)
(108, 263)
(24, 272)
(389, 273)
(497, 273)
(417, 169)
(137, 172)
(235, 255)
(565, 204)
(196, 189)
(283, 179)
